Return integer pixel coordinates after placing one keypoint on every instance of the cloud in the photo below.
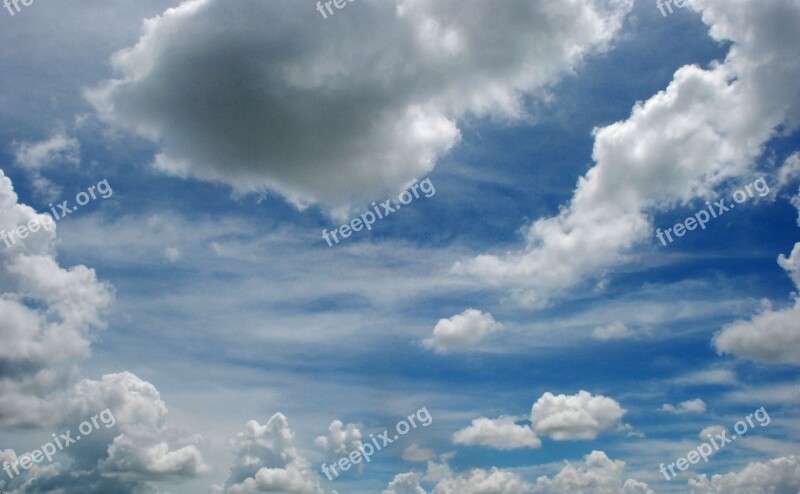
(776, 476)
(48, 317)
(265, 460)
(598, 475)
(614, 331)
(340, 440)
(405, 483)
(712, 431)
(479, 481)
(575, 417)
(502, 433)
(701, 378)
(36, 156)
(344, 111)
(689, 406)
(707, 127)
(789, 171)
(58, 149)
(461, 331)
(414, 453)
(772, 336)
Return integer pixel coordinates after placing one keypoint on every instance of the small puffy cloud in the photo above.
(598, 475)
(341, 439)
(502, 433)
(461, 331)
(773, 336)
(614, 331)
(575, 417)
(711, 431)
(415, 453)
(405, 483)
(776, 476)
(338, 112)
(689, 406)
(265, 460)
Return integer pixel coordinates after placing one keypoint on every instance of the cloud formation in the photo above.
(48, 316)
(776, 476)
(689, 406)
(773, 336)
(265, 460)
(343, 111)
(575, 417)
(502, 433)
(685, 142)
(461, 331)
(598, 475)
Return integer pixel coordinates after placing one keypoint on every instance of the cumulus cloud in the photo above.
(773, 336)
(502, 433)
(479, 481)
(598, 475)
(343, 111)
(689, 406)
(405, 483)
(265, 460)
(707, 127)
(776, 476)
(575, 417)
(461, 331)
(341, 439)
(614, 331)
(48, 316)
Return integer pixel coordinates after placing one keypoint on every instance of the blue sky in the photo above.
(527, 304)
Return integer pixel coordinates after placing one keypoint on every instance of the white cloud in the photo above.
(789, 171)
(266, 461)
(48, 316)
(341, 439)
(614, 331)
(502, 433)
(405, 483)
(689, 406)
(776, 476)
(771, 336)
(58, 149)
(343, 111)
(479, 481)
(711, 431)
(711, 376)
(415, 453)
(461, 331)
(574, 417)
(36, 156)
(598, 475)
(681, 144)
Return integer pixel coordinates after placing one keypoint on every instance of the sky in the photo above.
(400, 247)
